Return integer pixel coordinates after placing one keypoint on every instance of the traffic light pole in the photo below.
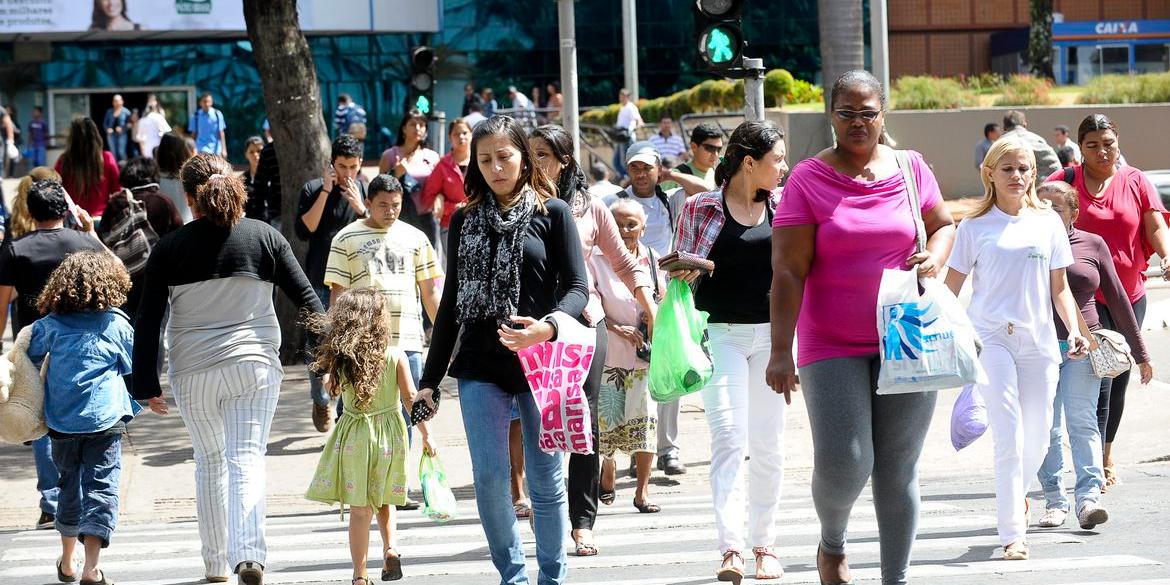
(753, 88)
(630, 45)
(570, 116)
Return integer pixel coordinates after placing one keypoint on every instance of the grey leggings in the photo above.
(856, 434)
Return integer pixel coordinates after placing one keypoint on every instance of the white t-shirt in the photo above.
(1010, 259)
(150, 131)
(659, 235)
(628, 116)
(603, 189)
(521, 101)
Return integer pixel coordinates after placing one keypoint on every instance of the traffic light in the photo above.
(422, 80)
(720, 34)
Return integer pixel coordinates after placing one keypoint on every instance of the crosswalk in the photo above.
(676, 546)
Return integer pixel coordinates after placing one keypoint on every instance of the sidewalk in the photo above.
(158, 472)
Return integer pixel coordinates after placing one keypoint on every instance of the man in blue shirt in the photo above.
(347, 114)
(38, 138)
(207, 126)
(117, 125)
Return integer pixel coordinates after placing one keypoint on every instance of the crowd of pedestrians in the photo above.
(503, 242)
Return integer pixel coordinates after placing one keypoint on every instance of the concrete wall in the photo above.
(947, 138)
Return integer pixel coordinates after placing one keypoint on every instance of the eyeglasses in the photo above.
(711, 148)
(851, 115)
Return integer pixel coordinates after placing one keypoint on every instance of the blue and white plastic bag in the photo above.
(926, 340)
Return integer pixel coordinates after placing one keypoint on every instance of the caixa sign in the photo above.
(1117, 28)
(1110, 29)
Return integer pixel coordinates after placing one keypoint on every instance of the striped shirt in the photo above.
(672, 145)
(392, 260)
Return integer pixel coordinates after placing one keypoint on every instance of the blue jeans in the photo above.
(1076, 395)
(47, 477)
(90, 466)
(316, 388)
(486, 419)
(35, 156)
(118, 145)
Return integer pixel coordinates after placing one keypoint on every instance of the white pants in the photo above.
(746, 418)
(228, 412)
(1019, 396)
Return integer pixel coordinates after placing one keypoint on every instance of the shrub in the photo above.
(930, 93)
(983, 83)
(804, 92)
(1127, 89)
(1025, 90)
(778, 83)
(606, 116)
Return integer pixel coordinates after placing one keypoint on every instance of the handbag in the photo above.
(926, 339)
(128, 233)
(1112, 357)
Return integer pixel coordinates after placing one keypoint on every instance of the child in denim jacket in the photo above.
(88, 344)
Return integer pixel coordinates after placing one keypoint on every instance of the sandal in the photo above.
(522, 509)
(364, 579)
(823, 582)
(607, 497)
(1111, 478)
(647, 507)
(250, 573)
(61, 576)
(102, 581)
(583, 549)
(391, 565)
(1016, 551)
(728, 571)
(762, 553)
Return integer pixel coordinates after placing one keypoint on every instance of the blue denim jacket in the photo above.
(88, 354)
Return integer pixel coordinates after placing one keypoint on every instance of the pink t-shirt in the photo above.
(1117, 216)
(862, 229)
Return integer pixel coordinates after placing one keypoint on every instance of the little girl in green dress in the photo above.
(363, 463)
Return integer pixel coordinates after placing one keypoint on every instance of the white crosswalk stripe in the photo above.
(675, 546)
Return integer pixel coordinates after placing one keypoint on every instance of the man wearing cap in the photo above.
(662, 212)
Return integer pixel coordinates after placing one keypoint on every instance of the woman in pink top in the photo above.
(552, 149)
(443, 192)
(844, 218)
(1121, 206)
(90, 174)
(412, 162)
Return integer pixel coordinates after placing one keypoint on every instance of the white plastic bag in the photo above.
(968, 418)
(927, 341)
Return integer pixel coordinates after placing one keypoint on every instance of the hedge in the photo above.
(1147, 88)
(930, 93)
(714, 95)
(1025, 90)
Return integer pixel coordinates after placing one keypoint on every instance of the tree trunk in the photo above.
(1040, 39)
(842, 42)
(293, 100)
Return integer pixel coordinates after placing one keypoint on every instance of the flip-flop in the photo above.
(102, 581)
(522, 510)
(391, 565)
(647, 507)
(585, 550)
(61, 576)
(607, 497)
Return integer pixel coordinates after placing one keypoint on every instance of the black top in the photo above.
(202, 251)
(264, 188)
(337, 214)
(27, 262)
(552, 278)
(737, 291)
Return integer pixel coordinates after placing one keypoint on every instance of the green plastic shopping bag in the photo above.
(438, 500)
(680, 362)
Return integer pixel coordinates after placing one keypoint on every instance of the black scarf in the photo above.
(489, 279)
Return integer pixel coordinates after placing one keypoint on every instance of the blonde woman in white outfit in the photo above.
(1017, 249)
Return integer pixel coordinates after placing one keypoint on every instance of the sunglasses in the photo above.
(711, 148)
(850, 115)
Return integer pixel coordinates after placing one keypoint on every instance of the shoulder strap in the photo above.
(654, 272)
(1070, 175)
(915, 204)
(665, 199)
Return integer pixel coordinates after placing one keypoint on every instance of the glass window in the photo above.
(1151, 58)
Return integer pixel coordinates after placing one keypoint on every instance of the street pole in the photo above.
(879, 35)
(753, 89)
(570, 116)
(630, 45)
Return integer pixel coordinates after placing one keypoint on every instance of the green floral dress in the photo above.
(364, 460)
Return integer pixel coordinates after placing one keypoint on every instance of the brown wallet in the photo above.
(685, 261)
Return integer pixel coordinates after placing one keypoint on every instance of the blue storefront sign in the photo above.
(1087, 49)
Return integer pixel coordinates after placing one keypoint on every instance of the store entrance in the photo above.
(65, 105)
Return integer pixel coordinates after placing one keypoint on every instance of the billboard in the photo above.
(130, 19)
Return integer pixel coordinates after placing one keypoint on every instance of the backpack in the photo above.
(129, 235)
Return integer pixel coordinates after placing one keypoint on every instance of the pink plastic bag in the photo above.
(556, 372)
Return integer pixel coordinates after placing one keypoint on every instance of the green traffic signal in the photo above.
(719, 46)
(423, 104)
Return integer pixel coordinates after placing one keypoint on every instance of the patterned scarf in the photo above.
(489, 279)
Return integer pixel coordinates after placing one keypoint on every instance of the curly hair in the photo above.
(85, 281)
(354, 335)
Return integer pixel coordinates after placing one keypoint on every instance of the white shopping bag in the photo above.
(926, 340)
(556, 372)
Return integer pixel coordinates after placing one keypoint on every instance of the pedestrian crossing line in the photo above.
(1144, 582)
(420, 526)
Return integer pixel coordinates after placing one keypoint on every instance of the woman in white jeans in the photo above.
(1017, 249)
(732, 227)
(217, 274)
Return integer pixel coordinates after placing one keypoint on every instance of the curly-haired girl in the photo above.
(88, 342)
(363, 463)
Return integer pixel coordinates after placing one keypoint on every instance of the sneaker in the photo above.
(1091, 515)
(1016, 551)
(45, 521)
(321, 418)
(1053, 517)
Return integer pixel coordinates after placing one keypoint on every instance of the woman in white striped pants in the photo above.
(217, 273)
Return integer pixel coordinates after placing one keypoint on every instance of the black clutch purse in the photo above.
(420, 412)
(643, 351)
